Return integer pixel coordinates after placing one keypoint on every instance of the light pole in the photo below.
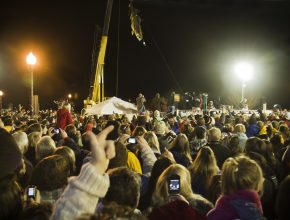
(31, 61)
(244, 71)
(1, 94)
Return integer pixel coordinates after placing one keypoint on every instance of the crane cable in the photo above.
(165, 62)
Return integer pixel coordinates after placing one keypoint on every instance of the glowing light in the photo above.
(31, 59)
(1, 93)
(244, 71)
(69, 96)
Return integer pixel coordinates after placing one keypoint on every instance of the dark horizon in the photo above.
(200, 44)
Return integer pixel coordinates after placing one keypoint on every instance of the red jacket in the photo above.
(63, 118)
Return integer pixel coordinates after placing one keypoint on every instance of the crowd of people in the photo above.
(221, 166)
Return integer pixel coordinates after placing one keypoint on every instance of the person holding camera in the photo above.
(175, 184)
(92, 182)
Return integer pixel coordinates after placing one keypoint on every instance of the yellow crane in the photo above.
(98, 91)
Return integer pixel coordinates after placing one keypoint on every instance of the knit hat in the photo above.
(159, 127)
(10, 155)
(176, 210)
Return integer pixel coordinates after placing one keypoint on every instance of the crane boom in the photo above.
(98, 93)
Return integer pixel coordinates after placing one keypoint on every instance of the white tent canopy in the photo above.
(112, 105)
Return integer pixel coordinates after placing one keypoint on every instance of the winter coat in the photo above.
(220, 151)
(252, 130)
(243, 205)
(64, 118)
(82, 194)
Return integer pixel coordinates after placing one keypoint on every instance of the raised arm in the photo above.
(83, 192)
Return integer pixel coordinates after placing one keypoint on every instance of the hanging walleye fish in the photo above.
(135, 23)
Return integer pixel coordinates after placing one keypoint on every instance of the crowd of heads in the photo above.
(218, 159)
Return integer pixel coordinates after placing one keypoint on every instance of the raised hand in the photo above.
(102, 150)
(142, 143)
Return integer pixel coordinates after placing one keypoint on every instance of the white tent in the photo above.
(111, 106)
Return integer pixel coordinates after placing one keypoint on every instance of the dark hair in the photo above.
(121, 156)
(36, 211)
(234, 145)
(200, 132)
(159, 166)
(260, 159)
(286, 160)
(141, 120)
(124, 188)
(86, 141)
(255, 144)
(252, 119)
(34, 127)
(284, 129)
(214, 189)
(139, 131)
(70, 130)
(10, 199)
(181, 145)
(113, 211)
(200, 121)
(123, 129)
(283, 200)
(113, 135)
(68, 154)
(228, 128)
(50, 173)
(239, 120)
(269, 154)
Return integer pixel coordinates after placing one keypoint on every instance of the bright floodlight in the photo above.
(69, 96)
(1, 93)
(244, 71)
(31, 59)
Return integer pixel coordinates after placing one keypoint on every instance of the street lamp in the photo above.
(31, 61)
(1, 94)
(69, 96)
(244, 71)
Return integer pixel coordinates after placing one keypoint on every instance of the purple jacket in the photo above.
(244, 205)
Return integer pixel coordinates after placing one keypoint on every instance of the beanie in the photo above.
(10, 155)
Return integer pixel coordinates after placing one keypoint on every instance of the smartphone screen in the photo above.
(174, 184)
(31, 192)
(56, 130)
(132, 140)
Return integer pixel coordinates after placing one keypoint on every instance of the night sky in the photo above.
(189, 47)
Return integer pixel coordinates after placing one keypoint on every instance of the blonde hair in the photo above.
(33, 138)
(161, 193)
(152, 140)
(241, 173)
(204, 166)
(45, 147)
(240, 128)
(214, 134)
(181, 145)
(21, 139)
